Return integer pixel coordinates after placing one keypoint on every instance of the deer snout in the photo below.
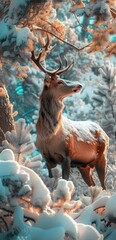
(74, 86)
(77, 88)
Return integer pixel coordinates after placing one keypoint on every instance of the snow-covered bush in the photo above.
(17, 181)
(38, 213)
(19, 140)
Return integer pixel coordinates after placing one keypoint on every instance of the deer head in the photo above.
(53, 84)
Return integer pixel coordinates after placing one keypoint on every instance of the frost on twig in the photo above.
(34, 163)
(20, 140)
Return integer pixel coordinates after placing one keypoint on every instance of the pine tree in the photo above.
(105, 97)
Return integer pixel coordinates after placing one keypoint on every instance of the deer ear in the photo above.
(47, 81)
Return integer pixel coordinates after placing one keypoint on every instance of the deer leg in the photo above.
(101, 170)
(86, 175)
(49, 170)
(66, 165)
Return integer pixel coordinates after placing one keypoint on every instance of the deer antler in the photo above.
(58, 71)
(36, 60)
(42, 55)
(68, 66)
(44, 51)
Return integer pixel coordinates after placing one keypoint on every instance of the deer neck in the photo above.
(50, 116)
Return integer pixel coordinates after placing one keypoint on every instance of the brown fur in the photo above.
(58, 145)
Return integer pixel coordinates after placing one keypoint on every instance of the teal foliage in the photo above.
(20, 96)
(19, 88)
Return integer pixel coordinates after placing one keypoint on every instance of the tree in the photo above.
(102, 14)
(6, 114)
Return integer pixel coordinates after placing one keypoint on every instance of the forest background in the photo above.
(82, 30)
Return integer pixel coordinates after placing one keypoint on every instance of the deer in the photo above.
(81, 144)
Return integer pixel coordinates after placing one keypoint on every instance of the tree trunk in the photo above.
(6, 117)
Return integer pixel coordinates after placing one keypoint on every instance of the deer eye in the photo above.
(60, 82)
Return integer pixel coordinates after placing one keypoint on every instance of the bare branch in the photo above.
(62, 40)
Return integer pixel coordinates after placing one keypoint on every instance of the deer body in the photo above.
(81, 144)
(67, 143)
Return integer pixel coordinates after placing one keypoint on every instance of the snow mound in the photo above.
(55, 220)
(87, 232)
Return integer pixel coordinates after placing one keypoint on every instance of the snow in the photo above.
(40, 194)
(101, 202)
(51, 224)
(7, 154)
(13, 9)
(86, 215)
(83, 129)
(3, 192)
(87, 232)
(57, 233)
(15, 4)
(112, 236)
(46, 221)
(4, 30)
(8, 168)
(22, 35)
(19, 38)
(34, 233)
(64, 190)
(57, 172)
(111, 207)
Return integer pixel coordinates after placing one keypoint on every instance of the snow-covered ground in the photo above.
(56, 212)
